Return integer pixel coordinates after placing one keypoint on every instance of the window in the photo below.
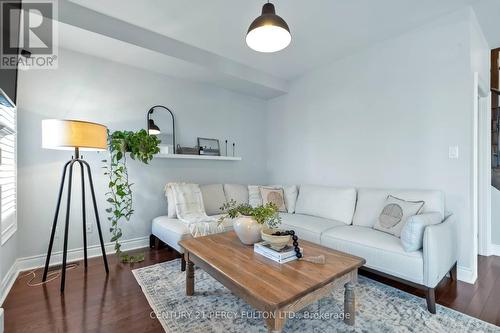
(8, 181)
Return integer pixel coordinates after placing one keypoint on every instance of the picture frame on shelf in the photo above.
(209, 146)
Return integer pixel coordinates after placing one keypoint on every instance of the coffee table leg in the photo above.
(349, 304)
(276, 322)
(189, 277)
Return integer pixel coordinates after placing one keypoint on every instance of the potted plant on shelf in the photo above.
(142, 147)
(249, 221)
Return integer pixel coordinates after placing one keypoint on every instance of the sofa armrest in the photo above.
(439, 250)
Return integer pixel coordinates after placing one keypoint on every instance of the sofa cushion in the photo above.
(307, 227)
(213, 198)
(371, 202)
(381, 251)
(328, 202)
(170, 231)
(236, 192)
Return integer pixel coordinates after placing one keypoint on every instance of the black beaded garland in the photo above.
(295, 243)
(295, 239)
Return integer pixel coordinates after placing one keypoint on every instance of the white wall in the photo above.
(495, 216)
(89, 88)
(385, 117)
(480, 50)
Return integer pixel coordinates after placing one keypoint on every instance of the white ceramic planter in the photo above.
(247, 229)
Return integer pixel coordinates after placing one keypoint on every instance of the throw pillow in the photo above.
(291, 193)
(412, 234)
(273, 195)
(395, 214)
(254, 197)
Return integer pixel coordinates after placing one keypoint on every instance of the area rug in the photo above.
(213, 308)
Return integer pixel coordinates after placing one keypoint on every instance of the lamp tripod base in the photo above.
(68, 167)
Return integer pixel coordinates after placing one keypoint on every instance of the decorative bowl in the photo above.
(276, 242)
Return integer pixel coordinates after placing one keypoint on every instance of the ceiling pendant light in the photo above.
(268, 32)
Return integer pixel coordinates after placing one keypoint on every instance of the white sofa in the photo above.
(343, 219)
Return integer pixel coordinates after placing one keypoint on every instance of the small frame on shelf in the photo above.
(209, 147)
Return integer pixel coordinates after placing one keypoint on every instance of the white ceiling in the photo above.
(205, 40)
(71, 37)
(322, 30)
(488, 15)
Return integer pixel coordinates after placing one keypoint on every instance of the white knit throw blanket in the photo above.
(190, 209)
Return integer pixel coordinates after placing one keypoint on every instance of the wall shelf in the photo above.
(198, 157)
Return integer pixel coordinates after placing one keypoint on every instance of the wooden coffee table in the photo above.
(276, 289)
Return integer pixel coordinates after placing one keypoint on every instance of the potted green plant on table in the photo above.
(250, 221)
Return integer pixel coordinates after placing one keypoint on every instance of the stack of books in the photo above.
(282, 256)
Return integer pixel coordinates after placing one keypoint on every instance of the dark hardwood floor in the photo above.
(94, 303)
(91, 302)
(479, 300)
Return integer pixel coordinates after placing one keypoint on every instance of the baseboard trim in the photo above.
(27, 263)
(77, 254)
(466, 274)
(8, 281)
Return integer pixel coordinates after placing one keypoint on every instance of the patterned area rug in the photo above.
(213, 308)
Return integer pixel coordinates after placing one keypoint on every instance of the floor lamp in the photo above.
(74, 135)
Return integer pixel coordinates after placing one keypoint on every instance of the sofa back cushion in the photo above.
(371, 202)
(237, 192)
(328, 202)
(213, 198)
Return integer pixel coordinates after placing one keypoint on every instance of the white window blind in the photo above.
(8, 181)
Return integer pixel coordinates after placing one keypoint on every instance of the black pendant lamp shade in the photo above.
(152, 128)
(268, 32)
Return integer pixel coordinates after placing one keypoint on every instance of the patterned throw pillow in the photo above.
(395, 214)
(274, 195)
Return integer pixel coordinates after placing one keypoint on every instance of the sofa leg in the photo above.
(183, 264)
(431, 300)
(154, 242)
(453, 273)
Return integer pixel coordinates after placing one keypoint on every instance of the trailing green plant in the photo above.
(142, 147)
(266, 214)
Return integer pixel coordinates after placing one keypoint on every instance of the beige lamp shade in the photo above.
(70, 134)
